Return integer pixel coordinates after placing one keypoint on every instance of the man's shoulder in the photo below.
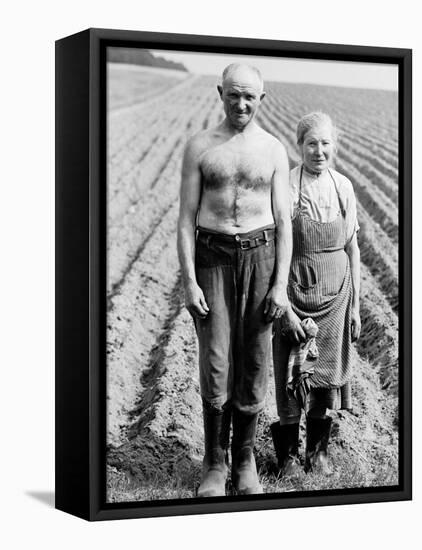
(270, 138)
(203, 139)
(273, 146)
(294, 176)
(197, 143)
(198, 139)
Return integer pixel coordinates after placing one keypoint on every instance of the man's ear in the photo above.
(261, 97)
(220, 90)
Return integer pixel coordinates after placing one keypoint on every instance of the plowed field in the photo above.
(154, 421)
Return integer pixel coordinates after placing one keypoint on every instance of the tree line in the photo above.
(136, 56)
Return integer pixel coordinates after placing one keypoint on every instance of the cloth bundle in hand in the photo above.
(301, 364)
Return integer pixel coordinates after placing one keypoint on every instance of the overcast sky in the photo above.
(334, 73)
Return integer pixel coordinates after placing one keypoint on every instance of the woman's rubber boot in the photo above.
(214, 466)
(317, 436)
(286, 445)
(244, 475)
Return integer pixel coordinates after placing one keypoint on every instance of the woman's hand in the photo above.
(355, 324)
(291, 327)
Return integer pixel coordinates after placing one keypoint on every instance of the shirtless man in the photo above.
(234, 244)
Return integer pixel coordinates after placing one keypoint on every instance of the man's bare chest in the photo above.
(229, 167)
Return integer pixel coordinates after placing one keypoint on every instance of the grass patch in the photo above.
(348, 474)
(121, 487)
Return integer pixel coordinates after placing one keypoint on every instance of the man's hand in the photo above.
(355, 325)
(195, 301)
(276, 303)
(291, 327)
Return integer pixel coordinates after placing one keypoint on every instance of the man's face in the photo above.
(318, 148)
(241, 95)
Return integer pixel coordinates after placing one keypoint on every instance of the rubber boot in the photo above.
(214, 466)
(317, 437)
(244, 475)
(286, 445)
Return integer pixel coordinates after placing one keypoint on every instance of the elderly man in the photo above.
(234, 244)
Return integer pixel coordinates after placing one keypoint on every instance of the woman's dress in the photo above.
(320, 288)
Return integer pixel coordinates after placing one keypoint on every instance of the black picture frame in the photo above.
(81, 268)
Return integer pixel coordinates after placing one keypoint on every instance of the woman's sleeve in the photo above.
(352, 224)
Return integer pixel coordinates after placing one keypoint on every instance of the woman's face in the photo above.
(318, 148)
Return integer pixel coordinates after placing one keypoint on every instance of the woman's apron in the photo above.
(320, 287)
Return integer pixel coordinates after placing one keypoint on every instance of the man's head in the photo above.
(241, 90)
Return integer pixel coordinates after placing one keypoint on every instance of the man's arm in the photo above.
(190, 193)
(277, 302)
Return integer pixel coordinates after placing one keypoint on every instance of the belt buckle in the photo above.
(245, 244)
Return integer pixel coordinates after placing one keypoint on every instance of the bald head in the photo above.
(241, 91)
(243, 73)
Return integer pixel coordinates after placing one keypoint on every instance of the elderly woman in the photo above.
(312, 342)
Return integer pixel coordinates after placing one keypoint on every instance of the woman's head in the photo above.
(317, 140)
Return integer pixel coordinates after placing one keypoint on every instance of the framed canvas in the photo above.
(138, 115)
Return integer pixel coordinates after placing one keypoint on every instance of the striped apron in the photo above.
(320, 287)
